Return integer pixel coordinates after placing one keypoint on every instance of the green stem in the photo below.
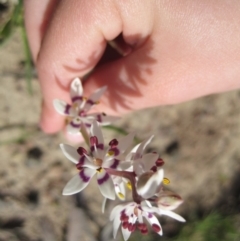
(85, 134)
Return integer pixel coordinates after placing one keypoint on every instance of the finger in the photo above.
(37, 15)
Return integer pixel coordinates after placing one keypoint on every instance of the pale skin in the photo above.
(180, 50)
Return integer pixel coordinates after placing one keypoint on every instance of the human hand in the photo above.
(181, 50)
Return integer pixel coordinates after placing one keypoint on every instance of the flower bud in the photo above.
(143, 179)
(168, 200)
(149, 183)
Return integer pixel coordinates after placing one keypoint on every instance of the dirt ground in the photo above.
(199, 141)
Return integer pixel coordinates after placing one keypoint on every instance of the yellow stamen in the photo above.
(110, 153)
(166, 181)
(97, 102)
(84, 98)
(129, 185)
(99, 170)
(121, 195)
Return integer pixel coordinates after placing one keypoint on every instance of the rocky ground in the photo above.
(199, 141)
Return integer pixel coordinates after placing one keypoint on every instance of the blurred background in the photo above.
(199, 142)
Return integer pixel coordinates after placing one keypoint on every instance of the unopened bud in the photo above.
(149, 183)
(143, 179)
(169, 200)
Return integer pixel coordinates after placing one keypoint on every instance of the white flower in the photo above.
(95, 162)
(142, 163)
(77, 113)
(132, 216)
(147, 168)
(149, 183)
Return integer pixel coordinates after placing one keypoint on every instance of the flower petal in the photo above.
(156, 226)
(116, 224)
(145, 163)
(63, 108)
(74, 127)
(94, 98)
(126, 233)
(126, 165)
(95, 130)
(97, 94)
(120, 190)
(88, 162)
(105, 120)
(149, 160)
(172, 215)
(113, 163)
(152, 185)
(116, 211)
(79, 181)
(104, 204)
(125, 142)
(76, 88)
(70, 153)
(142, 146)
(105, 184)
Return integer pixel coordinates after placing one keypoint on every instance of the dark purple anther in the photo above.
(81, 151)
(159, 162)
(150, 215)
(93, 140)
(154, 168)
(113, 143)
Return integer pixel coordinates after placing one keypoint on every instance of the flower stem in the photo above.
(85, 134)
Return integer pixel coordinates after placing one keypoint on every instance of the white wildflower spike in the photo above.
(77, 112)
(116, 168)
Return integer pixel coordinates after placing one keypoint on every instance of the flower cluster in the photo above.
(118, 168)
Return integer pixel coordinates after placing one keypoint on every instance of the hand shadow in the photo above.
(129, 79)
